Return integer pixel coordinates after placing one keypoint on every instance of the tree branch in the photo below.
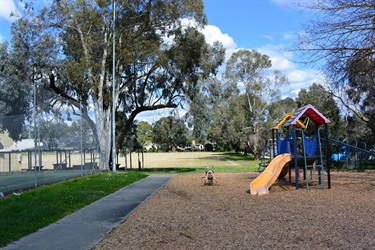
(360, 115)
(127, 128)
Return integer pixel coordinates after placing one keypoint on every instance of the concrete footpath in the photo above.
(87, 227)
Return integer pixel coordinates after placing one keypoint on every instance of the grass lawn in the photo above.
(35, 209)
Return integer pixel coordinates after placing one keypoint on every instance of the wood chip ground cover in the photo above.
(185, 214)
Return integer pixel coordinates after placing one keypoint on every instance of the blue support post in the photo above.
(294, 153)
(328, 152)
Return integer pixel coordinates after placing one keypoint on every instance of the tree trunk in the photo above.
(103, 131)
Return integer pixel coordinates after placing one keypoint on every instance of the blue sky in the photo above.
(254, 23)
(269, 26)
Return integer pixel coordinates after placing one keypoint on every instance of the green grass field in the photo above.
(27, 212)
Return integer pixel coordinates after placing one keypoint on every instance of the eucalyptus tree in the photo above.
(237, 123)
(279, 109)
(30, 53)
(144, 132)
(251, 69)
(340, 37)
(223, 97)
(14, 103)
(19, 74)
(207, 94)
(170, 132)
(158, 60)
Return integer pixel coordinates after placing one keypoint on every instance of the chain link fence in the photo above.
(52, 145)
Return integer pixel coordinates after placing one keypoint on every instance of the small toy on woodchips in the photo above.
(209, 178)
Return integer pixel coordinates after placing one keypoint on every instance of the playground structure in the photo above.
(276, 145)
(298, 150)
(351, 156)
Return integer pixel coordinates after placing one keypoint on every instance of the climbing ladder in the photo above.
(314, 172)
(265, 158)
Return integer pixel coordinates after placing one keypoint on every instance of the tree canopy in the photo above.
(340, 35)
(160, 57)
(262, 88)
(317, 96)
(64, 55)
(15, 103)
(170, 132)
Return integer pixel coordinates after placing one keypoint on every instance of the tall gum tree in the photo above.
(158, 60)
(340, 38)
(262, 88)
(203, 98)
(21, 63)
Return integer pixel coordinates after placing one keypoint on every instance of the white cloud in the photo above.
(281, 59)
(154, 116)
(213, 33)
(279, 63)
(8, 7)
(297, 75)
(301, 79)
(289, 36)
(268, 37)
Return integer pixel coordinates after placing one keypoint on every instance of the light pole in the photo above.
(113, 91)
(81, 133)
(35, 131)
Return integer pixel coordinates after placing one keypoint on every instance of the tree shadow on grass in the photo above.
(233, 156)
(169, 170)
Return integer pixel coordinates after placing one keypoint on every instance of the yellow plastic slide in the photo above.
(264, 181)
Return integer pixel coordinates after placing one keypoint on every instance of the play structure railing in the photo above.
(357, 154)
(282, 146)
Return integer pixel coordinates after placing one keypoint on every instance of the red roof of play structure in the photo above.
(312, 113)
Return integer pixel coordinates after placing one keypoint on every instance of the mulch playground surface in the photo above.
(185, 214)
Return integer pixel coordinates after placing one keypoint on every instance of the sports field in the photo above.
(183, 160)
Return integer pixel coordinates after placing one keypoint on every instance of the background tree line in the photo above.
(64, 55)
